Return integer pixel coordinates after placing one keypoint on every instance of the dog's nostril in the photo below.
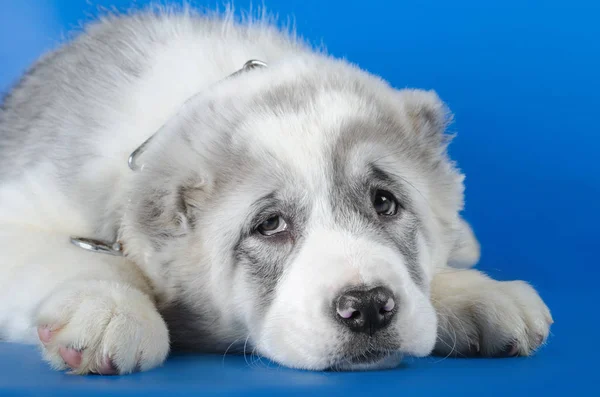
(347, 312)
(366, 311)
(388, 307)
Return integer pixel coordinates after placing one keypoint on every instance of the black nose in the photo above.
(366, 311)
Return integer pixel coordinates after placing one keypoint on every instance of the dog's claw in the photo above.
(511, 350)
(474, 349)
(540, 339)
(107, 368)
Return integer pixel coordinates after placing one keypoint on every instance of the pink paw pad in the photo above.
(45, 334)
(71, 357)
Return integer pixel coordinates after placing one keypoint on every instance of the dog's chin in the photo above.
(369, 361)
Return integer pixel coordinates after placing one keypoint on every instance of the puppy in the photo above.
(303, 210)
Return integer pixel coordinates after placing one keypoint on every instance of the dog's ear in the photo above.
(161, 212)
(427, 114)
(165, 195)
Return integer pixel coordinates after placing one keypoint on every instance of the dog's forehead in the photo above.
(312, 134)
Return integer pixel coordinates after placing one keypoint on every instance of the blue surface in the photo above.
(522, 78)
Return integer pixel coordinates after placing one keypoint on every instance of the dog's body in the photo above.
(274, 208)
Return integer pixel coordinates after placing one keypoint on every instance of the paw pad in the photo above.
(71, 356)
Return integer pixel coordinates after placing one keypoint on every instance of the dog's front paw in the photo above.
(101, 327)
(490, 318)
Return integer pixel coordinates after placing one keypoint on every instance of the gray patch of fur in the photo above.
(264, 258)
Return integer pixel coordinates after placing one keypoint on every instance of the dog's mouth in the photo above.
(368, 360)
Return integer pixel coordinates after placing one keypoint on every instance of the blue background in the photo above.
(522, 78)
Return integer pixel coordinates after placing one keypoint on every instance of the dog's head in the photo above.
(300, 210)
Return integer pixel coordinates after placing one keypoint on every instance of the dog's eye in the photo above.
(273, 225)
(385, 203)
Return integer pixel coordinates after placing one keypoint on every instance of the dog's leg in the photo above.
(478, 316)
(89, 312)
